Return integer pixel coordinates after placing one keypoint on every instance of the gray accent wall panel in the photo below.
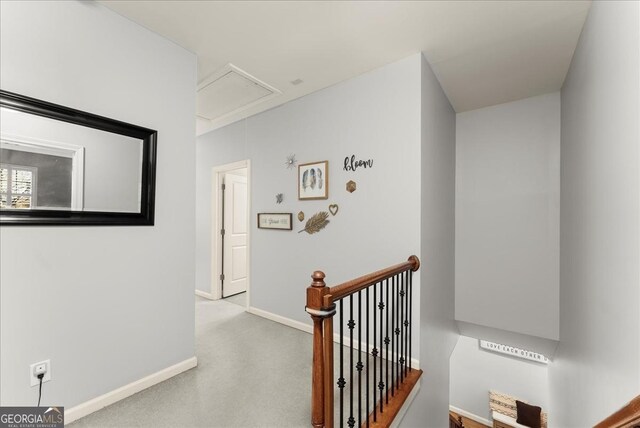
(508, 216)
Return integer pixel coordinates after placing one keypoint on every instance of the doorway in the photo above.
(231, 232)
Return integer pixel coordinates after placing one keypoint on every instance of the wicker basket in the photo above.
(506, 404)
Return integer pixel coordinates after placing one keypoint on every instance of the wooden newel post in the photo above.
(315, 307)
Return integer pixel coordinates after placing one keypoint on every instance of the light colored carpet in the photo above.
(251, 372)
(237, 299)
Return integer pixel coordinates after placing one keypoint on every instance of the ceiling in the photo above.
(483, 52)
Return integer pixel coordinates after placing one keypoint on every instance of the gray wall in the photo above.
(597, 365)
(508, 215)
(374, 116)
(107, 305)
(474, 371)
(438, 332)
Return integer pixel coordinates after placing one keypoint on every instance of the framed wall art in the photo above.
(279, 221)
(313, 180)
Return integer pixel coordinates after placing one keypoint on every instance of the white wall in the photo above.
(597, 364)
(374, 116)
(107, 305)
(438, 332)
(507, 216)
(475, 371)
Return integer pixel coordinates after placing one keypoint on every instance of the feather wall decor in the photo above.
(312, 172)
(316, 223)
(305, 178)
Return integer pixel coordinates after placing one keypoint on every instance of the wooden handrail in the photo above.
(626, 417)
(321, 307)
(350, 287)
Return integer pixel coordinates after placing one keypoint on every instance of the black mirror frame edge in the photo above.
(89, 218)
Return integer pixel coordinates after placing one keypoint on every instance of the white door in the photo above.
(234, 246)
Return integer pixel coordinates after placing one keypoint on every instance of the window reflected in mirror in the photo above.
(17, 187)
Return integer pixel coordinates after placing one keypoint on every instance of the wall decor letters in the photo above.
(351, 186)
(279, 198)
(351, 163)
(333, 209)
(313, 180)
(316, 223)
(513, 351)
(300, 216)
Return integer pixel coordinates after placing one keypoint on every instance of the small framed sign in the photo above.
(278, 221)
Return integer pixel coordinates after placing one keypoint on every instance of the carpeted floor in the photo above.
(251, 372)
(238, 299)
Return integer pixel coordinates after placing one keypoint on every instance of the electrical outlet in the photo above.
(43, 367)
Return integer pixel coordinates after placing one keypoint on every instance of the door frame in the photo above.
(216, 225)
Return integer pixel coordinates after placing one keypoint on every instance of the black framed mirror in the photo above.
(61, 166)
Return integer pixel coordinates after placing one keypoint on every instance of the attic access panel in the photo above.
(231, 90)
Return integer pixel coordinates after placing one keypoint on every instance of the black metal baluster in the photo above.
(402, 329)
(401, 321)
(386, 342)
(366, 353)
(374, 353)
(351, 422)
(393, 335)
(341, 381)
(399, 327)
(359, 365)
(397, 330)
(410, 315)
(381, 384)
(406, 324)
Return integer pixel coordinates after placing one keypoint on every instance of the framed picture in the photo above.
(313, 180)
(279, 221)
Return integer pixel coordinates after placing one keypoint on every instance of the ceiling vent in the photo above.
(229, 91)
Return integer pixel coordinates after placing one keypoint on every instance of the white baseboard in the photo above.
(471, 416)
(308, 328)
(205, 295)
(88, 407)
(280, 319)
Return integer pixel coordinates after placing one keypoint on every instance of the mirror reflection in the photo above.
(48, 164)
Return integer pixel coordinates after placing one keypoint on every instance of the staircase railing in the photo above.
(627, 417)
(380, 358)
